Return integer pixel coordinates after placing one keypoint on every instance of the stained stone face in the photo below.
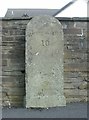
(44, 63)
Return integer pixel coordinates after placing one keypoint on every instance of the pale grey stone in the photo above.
(44, 63)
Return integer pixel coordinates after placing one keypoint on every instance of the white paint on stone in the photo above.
(44, 63)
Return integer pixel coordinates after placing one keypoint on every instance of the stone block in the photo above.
(44, 63)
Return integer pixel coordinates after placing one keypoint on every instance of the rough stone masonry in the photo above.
(44, 63)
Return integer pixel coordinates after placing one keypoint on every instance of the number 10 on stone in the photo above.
(44, 63)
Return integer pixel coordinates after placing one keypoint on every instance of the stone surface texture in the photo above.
(44, 63)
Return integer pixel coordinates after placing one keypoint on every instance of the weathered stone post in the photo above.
(44, 63)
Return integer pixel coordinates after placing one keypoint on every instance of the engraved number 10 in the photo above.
(45, 42)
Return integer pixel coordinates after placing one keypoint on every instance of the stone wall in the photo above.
(13, 60)
(0, 63)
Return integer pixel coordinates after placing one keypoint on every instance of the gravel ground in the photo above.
(73, 110)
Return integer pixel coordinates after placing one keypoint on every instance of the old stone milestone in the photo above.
(44, 63)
